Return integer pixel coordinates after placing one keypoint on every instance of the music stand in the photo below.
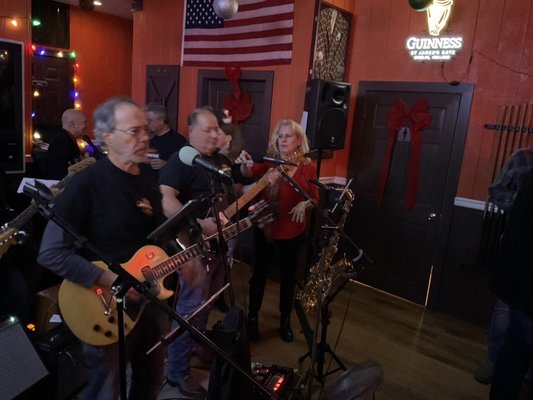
(174, 224)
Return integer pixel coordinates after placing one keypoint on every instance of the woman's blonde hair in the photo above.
(273, 149)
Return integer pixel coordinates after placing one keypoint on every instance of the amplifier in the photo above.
(20, 365)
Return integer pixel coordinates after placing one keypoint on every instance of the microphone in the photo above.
(190, 156)
(96, 150)
(259, 158)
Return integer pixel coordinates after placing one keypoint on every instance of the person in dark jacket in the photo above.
(513, 283)
(63, 149)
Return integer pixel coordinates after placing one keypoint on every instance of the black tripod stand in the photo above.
(322, 347)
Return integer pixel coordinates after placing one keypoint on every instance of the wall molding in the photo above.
(469, 203)
(333, 180)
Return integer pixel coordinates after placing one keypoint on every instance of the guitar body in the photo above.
(83, 309)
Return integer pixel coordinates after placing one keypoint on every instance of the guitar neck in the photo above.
(20, 220)
(246, 198)
(176, 261)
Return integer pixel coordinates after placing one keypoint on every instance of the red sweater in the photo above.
(287, 197)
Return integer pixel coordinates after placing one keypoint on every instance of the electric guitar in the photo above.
(10, 232)
(262, 183)
(91, 313)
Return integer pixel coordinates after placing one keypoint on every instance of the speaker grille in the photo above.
(331, 126)
(20, 365)
(326, 103)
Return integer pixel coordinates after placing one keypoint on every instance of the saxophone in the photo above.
(323, 274)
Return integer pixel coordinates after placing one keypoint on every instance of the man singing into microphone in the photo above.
(181, 180)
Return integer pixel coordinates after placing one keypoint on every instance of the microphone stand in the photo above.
(327, 217)
(123, 283)
(222, 243)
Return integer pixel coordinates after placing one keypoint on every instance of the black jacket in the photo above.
(513, 275)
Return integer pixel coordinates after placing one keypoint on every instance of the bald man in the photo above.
(63, 148)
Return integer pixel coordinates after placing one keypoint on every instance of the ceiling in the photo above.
(120, 8)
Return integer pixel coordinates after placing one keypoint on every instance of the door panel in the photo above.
(213, 87)
(403, 244)
(52, 79)
(162, 87)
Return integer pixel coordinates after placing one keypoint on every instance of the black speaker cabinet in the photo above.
(326, 104)
(20, 365)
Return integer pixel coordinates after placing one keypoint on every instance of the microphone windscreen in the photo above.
(187, 155)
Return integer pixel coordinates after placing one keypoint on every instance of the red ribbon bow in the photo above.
(239, 104)
(418, 118)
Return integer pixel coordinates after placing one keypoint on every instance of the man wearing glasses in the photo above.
(115, 204)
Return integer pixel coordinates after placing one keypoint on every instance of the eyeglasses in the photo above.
(135, 131)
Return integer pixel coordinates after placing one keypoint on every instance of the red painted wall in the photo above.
(103, 45)
(157, 40)
(497, 57)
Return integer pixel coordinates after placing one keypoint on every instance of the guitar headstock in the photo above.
(261, 213)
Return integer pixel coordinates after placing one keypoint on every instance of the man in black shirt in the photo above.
(180, 183)
(115, 204)
(63, 147)
(164, 140)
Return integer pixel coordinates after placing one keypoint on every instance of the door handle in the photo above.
(432, 216)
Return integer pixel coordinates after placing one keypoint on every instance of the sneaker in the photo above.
(485, 372)
(188, 387)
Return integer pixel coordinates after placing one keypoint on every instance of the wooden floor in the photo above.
(423, 354)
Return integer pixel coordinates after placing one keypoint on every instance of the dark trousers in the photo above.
(514, 357)
(288, 252)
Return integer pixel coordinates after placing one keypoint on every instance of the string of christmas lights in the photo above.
(71, 55)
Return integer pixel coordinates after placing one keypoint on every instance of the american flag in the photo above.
(259, 34)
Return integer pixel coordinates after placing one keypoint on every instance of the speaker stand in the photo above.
(318, 162)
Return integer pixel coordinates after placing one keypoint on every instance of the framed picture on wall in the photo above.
(331, 41)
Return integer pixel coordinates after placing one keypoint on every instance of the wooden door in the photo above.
(406, 245)
(213, 87)
(51, 78)
(162, 87)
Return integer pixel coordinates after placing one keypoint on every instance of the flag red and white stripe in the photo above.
(259, 34)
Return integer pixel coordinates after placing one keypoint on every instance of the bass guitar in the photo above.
(91, 313)
(10, 232)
